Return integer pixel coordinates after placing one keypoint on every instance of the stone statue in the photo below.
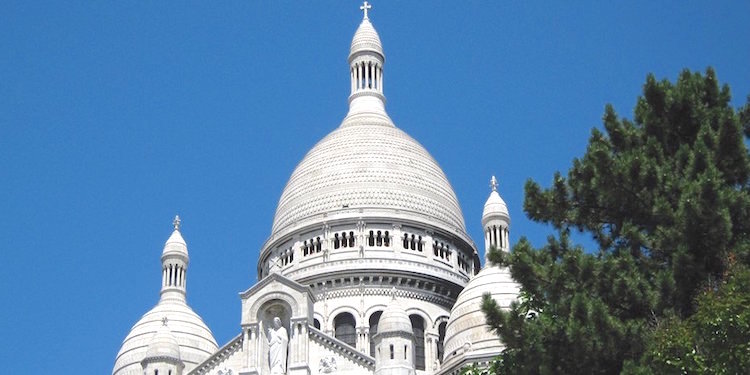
(278, 340)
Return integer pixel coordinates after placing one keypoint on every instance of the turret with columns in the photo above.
(174, 263)
(495, 221)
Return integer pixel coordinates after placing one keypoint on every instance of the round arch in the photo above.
(335, 312)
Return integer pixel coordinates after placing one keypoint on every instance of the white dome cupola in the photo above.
(366, 60)
(174, 263)
(394, 342)
(150, 338)
(495, 221)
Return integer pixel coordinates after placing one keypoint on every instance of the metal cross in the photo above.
(365, 7)
(176, 222)
(493, 183)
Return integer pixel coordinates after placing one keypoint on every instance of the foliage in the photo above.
(714, 340)
(666, 199)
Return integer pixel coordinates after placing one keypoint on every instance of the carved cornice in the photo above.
(224, 352)
(342, 348)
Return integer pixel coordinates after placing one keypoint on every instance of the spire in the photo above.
(495, 220)
(174, 262)
(366, 60)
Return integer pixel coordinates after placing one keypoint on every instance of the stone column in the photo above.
(252, 348)
(431, 358)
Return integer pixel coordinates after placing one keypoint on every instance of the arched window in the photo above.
(380, 239)
(387, 239)
(417, 324)
(419, 243)
(336, 241)
(344, 243)
(374, 319)
(317, 245)
(406, 241)
(441, 340)
(344, 328)
(316, 323)
(371, 239)
(351, 239)
(413, 242)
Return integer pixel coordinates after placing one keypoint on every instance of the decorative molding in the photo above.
(342, 348)
(233, 346)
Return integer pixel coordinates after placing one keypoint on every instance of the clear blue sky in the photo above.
(115, 116)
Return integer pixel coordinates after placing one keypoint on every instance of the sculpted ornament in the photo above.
(327, 365)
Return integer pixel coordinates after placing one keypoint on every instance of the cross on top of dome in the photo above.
(493, 183)
(365, 7)
(176, 222)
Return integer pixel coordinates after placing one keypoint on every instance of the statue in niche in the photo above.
(278, 341)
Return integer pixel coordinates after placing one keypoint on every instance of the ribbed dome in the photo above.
(394, 319)
(366, 39)
(193, 336)
(163, 344)
(495, 207)
(467, 331)
(368, 168)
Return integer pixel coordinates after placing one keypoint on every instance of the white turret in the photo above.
(366, 60)
(495, 221)
(174, 263)
(394, 342)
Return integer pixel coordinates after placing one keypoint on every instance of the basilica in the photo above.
(368, 268)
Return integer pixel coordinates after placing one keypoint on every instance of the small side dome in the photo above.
(193, 336)
(495, 206)
(394, 319)
(467, 331)
(163, 344)
(366, 39)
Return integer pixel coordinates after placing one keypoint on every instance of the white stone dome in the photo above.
(163, 344)
(196, 342)
(394, 319)
(467, 332)
(367, 166)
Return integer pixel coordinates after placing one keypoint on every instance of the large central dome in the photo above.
(373, 167)
(367, 167)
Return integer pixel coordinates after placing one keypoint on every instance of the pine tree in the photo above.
(666, 199)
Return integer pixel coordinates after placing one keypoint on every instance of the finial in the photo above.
(164, 321)
(493, 183)
(365, 7)
(176, 222)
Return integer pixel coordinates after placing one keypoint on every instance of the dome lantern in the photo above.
(495, 220)
(174, 263)
(366, 60)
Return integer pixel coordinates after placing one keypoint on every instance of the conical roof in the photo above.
(366, 39)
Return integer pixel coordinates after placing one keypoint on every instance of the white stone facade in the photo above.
(367, 216)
